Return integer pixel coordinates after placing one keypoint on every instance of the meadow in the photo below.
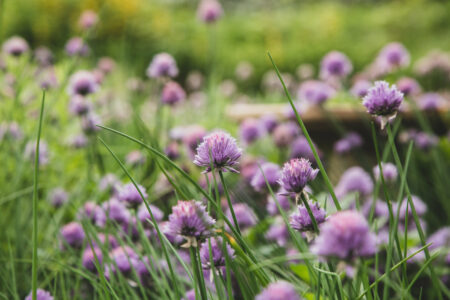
(129, 170)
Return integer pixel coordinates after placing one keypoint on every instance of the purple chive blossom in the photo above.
(280, 290)
(283, 200)
(284, 134)
(172, 93)
(315, 92)
(124, 258)
(113, 210)
(345, 235)
(218, 256)
(381, 209)
(144, 215)
(354, 179)
(296, 174)
(383, 101)
(278, 232)
(270, 172)
(269, 122)
(106, 65)
(79, 105)
(130, 194)
(77, 47)
(250, 130)
(389, 172)
(47, 78)
(89, 123)
(73, 234)
(88, 19)
(172, 150)
(58, 197)
(300, 148)
(15, 46)
(419, 205)
(425, 141)
(109, 183)
(190, 220)
(190, 295)
(162, 65)
(393, 56)
(430, 101)
(192, 137)
(40, 295)
(349, 142)
(335, 64)
(30, 151)
(408, 86)
(209, 11)
(82, 83)
(300, 219)
(440, 239)
(89, 258)
(10, 130)
(245, 216)
(78, 141)
(360, 88)
(135, 158)
(43, 56)
(220, 150)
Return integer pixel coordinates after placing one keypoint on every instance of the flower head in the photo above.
(283, 200)
(300, 148)
(40, 295)
(245, 216)
(172, 93)
(393, 56)
(345, 235)
(77, 47)
(278, 232)
(82, 83)
(251, 130)
(300, 219)
(296, 174)
(389, 172)
(89, 123)
(220, 150)
(315, 92)
(89, 258)
(15, 46)
(382, 100)
(44, 155)
(73, 234)
(58, 197)
(209, 11)
(130, 194)
(360, 88)
(335, 64)
(190, 220)
(408, 86)
(284, 134)
(106, 65)
(88, 19)
(280, 290)
(218, 257)
(270, 172)
(354, 179)
(430, 101)
(162, 65)
(349, 142)
(79, 105)
(144, 215)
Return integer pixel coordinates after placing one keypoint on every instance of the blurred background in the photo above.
(295, 32)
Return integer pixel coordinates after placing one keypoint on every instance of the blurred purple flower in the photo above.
(280, 290)
(219, 151)
(209, 11)
(278, 232)
(251, 130)
(300, 148)
(162, 65)
(43, 56)
(77, 47)
(218, 257)
(58, 197)
(389, 172)
(73, 234)
(283, 200)
(192, 137)
(425, 141)
(15, 46)
(354, 179)
(315, 92)
(408, 86)
(144, 215)
(106, 64)
(269, 122)
(135, 158)
(271, 172)
(284, 134)
(130, 194)
(360, 88)
(40, 295)
(245, 216)
(345, 235)
(88, 259)
(430, 101)
(88, 19)
(335, 64)
(109, 183)
(349, 142)
(30, 151)
(79, 105)
(124, 258)
(82, 83)
(392, 56)
(172, 93)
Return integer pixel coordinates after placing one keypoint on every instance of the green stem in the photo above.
(197, 269)
(35, 200)
(229, 202)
